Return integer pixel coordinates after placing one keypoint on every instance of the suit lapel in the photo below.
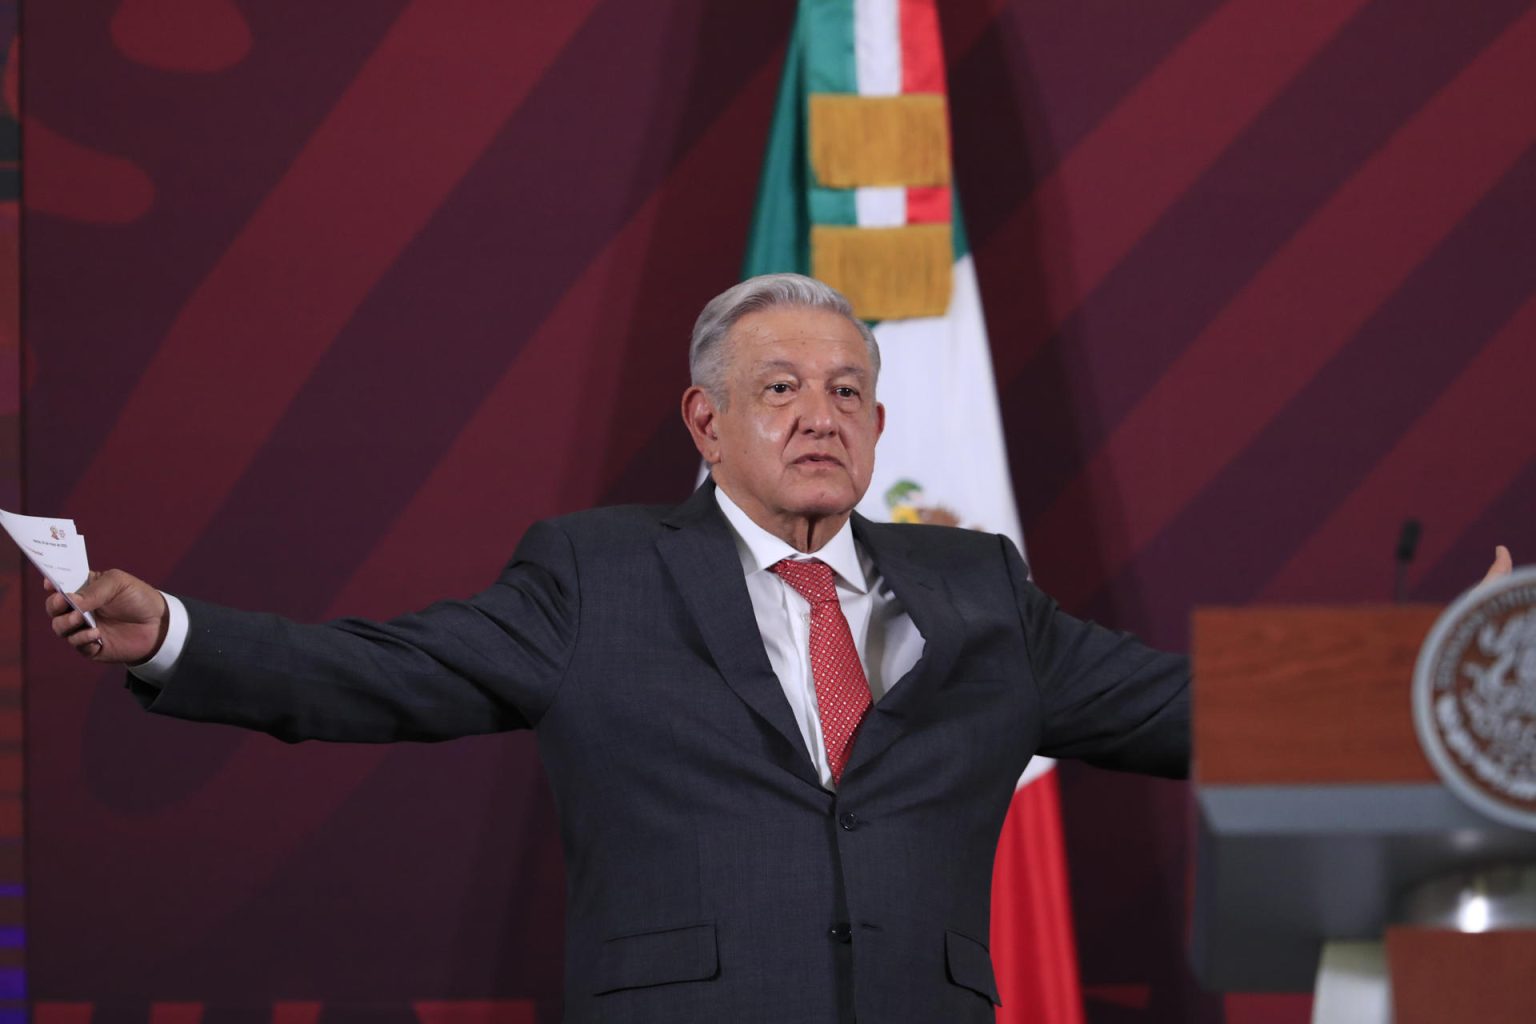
(920, 589)
(700, 553)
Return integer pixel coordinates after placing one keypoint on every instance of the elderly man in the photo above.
(782, 738)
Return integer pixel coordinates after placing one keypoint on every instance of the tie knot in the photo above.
(812, 580)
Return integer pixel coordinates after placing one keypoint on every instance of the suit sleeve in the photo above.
(486, 664)
(1108, 698)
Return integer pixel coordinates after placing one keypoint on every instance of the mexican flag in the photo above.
(856, 191)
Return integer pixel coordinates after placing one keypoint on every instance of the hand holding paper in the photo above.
(55, 547)
(107, 616)
(131, 618)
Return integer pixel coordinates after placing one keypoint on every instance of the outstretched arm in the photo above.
(489, 663)
(1108, 698)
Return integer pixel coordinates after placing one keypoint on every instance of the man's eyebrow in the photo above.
(849, 370)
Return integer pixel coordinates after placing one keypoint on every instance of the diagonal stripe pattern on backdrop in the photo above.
(312, 251)
(1469, 445)
(1302, 307)
(1172, 127)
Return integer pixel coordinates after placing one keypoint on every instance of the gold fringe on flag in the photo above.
(887, 273)
(879, 140)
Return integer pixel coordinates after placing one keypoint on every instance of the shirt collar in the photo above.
(760, 549)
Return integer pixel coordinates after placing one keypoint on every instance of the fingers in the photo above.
(98, 589)
(84, 638)
(57, 604)
(67, 623)
(87, 643)
(1502, 565)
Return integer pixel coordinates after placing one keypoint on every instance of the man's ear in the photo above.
(879, 420)
(699, 414)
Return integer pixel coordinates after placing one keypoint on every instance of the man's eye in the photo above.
(779, 389)
(845, 392)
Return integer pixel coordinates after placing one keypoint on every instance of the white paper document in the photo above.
(56, 548)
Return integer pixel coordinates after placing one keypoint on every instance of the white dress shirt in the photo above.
(888, 642)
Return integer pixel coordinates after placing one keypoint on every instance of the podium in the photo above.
(1321, 822)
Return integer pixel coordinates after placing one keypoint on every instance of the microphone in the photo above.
(1407, 546)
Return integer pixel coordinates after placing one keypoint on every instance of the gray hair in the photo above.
(707, 356)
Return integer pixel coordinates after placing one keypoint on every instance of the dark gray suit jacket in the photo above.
(710, 876)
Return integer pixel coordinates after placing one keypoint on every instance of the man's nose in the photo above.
(817, 413)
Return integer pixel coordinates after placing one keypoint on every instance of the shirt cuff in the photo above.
(159, 668)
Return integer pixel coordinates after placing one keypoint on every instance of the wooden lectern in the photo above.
(1318, 812)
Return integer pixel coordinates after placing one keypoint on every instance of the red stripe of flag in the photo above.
(1034, 951)
(922, 53)
(929, 205)
(922, 70)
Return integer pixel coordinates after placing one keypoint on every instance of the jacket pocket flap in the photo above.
(687, 953)
(970, 965)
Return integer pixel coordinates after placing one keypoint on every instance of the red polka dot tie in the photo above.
(842, 692)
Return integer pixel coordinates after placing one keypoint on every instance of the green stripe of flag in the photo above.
(825, 29)
(957, 226)
(824, 34)
(780, 240)
(833, 206)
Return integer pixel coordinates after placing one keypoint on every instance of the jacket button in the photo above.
(841, 932)
(849, 821)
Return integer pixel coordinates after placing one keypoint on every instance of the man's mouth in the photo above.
(818, 459)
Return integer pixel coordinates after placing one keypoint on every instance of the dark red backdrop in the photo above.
(326, 302)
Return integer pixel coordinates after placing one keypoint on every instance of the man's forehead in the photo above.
(788, 323)
(793, 335)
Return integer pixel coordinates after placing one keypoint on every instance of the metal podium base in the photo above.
(1491, 899)
(1353, 981)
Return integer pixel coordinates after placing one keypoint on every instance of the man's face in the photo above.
(797, 436)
